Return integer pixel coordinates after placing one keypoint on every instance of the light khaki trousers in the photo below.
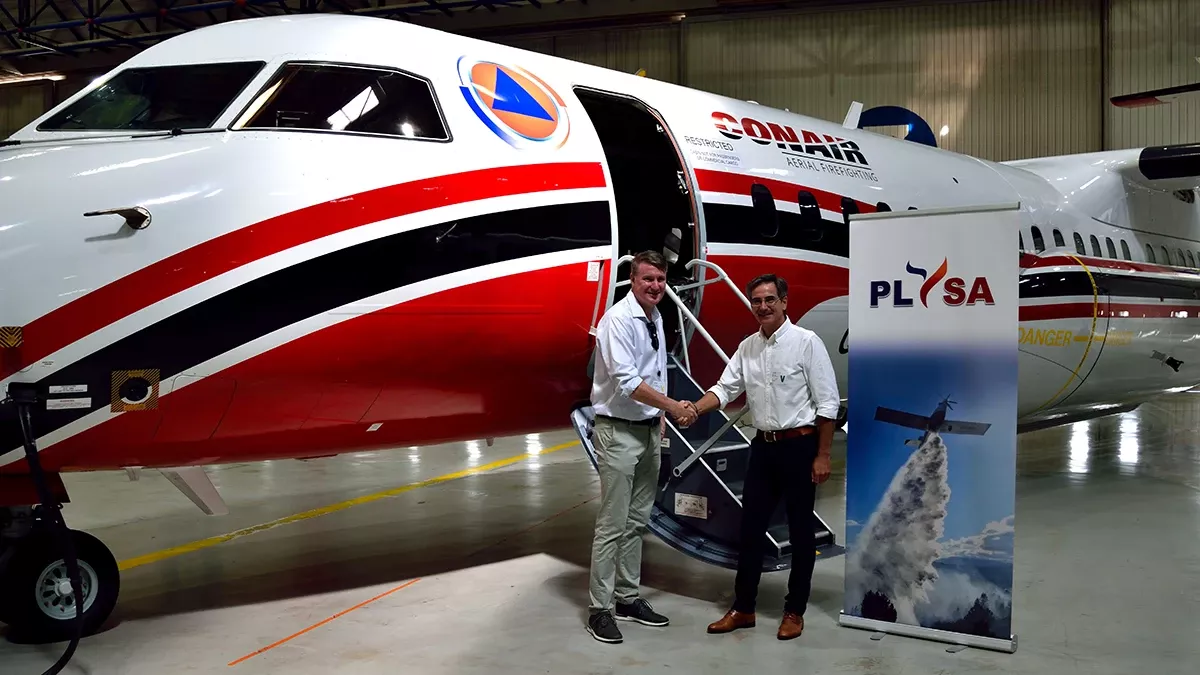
(628, 458)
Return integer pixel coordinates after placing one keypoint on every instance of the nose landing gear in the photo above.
(55, 583)
(39, 602)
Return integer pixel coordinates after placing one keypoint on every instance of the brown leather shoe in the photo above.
(791, 626)
(732, 620)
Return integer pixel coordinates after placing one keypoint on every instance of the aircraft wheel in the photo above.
(37, 591)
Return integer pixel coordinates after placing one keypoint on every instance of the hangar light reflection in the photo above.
(1128, 450)
(533, 448)
(1078, 461)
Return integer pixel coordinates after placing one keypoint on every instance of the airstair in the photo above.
(698, 508)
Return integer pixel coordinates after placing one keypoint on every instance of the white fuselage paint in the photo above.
(201, 186)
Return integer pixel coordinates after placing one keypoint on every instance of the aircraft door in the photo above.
(655, 193)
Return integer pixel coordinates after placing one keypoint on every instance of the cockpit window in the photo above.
(155, 99)
(354, 99)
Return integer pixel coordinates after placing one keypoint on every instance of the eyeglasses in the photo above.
(769, 301)
(653, 329)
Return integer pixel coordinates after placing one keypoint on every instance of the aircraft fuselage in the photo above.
(304, 289)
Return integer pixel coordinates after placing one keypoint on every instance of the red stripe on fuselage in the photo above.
(1030, 261)
(740, 184)
(1108, 310)
(496, 357)
(142, 288)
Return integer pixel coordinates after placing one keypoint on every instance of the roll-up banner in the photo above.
(932, 424)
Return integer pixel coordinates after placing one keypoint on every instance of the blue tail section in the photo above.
(895, 116)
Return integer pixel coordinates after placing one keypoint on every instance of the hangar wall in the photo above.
(1154, 44)
(1007, 78)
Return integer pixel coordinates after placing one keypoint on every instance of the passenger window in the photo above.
(1166, 255)
(1112, 250)
(883, 206)
(1181, 259)
(1039, 244)
(327, 97)
(1078, 244)
(1191, 260)
(164, 97)
(764, 210)
(1095, 246)
(1149, 253)
(1125, 251)
(811, 225)
(849, 206)
(1058, 239)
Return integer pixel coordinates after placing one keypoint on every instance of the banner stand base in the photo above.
(1009, 646)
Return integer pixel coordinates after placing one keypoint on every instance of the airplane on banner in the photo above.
(294, 237)
(936, 423)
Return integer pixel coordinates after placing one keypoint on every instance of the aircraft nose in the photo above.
(59, 245)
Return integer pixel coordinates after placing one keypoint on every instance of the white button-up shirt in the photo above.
(788, 379)
(626, 358)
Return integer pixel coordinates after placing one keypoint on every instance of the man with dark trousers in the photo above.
(792, 393)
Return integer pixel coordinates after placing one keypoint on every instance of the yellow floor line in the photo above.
(159, 556)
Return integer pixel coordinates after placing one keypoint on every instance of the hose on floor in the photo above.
(24, 396)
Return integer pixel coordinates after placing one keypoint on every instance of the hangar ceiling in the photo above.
(65, 35)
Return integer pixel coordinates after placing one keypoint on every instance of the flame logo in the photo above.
(933, 280)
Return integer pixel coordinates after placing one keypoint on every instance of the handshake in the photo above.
(684, 412)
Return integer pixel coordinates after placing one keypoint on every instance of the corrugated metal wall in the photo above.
(1007, 78)
(1154, 44)
(655, 49)
(22, 102)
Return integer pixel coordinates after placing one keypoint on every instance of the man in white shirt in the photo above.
(792, 394)
(629, 393)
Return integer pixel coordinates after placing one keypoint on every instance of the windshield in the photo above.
(356, 99)
(167, 97)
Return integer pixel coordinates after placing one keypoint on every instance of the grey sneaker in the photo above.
(603, 628)
(640, 611)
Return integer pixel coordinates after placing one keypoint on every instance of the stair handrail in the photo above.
(683, 311)
(721, 276)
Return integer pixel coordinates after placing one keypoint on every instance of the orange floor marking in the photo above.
(318, 625)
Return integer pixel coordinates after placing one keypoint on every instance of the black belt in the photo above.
(649, 422)
(795, 432)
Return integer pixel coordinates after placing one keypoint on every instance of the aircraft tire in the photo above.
(38, 617)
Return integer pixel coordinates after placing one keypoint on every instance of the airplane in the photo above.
(295, 237)
(935, 423)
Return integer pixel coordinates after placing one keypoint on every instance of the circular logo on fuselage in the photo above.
(515, 104)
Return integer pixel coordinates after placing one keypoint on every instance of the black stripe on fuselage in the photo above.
(733, 224)
(737, 224)
(306, 289)
(1077, 283)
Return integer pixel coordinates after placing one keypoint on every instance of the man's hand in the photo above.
(684, 413)
(820, 469)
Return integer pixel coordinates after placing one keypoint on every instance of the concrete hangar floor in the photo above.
(466, 558)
